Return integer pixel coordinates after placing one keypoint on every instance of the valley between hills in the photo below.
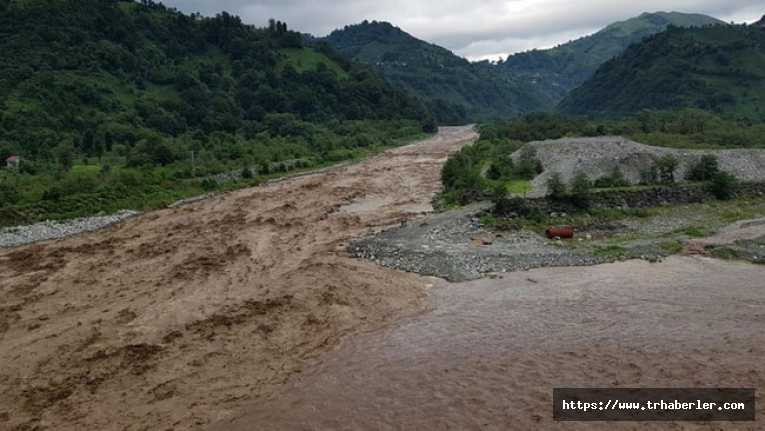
(207, 224)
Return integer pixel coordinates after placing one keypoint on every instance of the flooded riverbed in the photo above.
(490, 352)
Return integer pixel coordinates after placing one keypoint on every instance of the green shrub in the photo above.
(667, 165)
(247, 173)
(209, 184)
(494, 172)
(529, 166)
(498, 193)
(8, 194)
(723, 185)
(580, 185)
(704, 170)
(613, 180)
(556, 188)
(515, 207)
(580, 190)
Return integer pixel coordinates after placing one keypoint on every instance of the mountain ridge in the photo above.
(556, 71)
(455, 89)
(717, 68)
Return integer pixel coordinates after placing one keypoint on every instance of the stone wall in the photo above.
(639, 198)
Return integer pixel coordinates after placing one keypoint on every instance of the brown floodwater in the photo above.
(489, 353)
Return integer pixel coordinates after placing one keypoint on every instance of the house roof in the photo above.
(12, 159)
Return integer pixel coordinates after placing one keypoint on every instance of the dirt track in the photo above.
(180, 317)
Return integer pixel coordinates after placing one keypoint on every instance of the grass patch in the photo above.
(611, 252)
(488, 220)
(693, 232)
(671, 247)
(85, 169)
(305, 59)
(724, 253)
(519, 187)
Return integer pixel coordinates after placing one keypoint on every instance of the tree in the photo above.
(580, 184)
(65, 156)
(667, 165)
(705, 169)
(556, 188)
(498, 193)
(723, 185)
(494, 172)
(580, 189)
(429, 125)
(8, 194)
(614, 179)
(529, 165)
(247, 173)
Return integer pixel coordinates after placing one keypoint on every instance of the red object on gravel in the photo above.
(564, 232)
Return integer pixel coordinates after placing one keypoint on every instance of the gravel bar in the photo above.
(47, 230)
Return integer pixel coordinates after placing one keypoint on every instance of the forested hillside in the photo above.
(718, 68)
(130, 89)
(553, 73)
(455, 89)
(115, 72)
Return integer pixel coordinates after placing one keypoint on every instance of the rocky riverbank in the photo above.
(457, 246)
(453, 245)
(47, 230)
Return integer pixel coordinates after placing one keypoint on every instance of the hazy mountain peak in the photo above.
(453, 88)
(723, 74)
(556, 71)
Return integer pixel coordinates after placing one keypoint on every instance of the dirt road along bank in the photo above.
(180, 317)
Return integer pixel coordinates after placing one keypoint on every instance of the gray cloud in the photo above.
(476, 29)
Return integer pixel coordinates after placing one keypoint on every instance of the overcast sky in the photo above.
(476, 29)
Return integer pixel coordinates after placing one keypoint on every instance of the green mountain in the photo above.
(100, 74)
(553, 73)
(455, 89)
(716, 68)
(760, 23)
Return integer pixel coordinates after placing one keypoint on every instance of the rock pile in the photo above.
(598, 157)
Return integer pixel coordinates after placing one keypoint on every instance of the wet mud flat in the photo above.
(490, 352)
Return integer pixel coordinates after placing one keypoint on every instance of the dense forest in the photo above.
(485, 170)
(553, 73)
(716, 68)
(94, 92)
(455, 90)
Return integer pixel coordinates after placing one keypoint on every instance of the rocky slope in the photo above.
(598, 157)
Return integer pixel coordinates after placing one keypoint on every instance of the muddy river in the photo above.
(489, 352)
